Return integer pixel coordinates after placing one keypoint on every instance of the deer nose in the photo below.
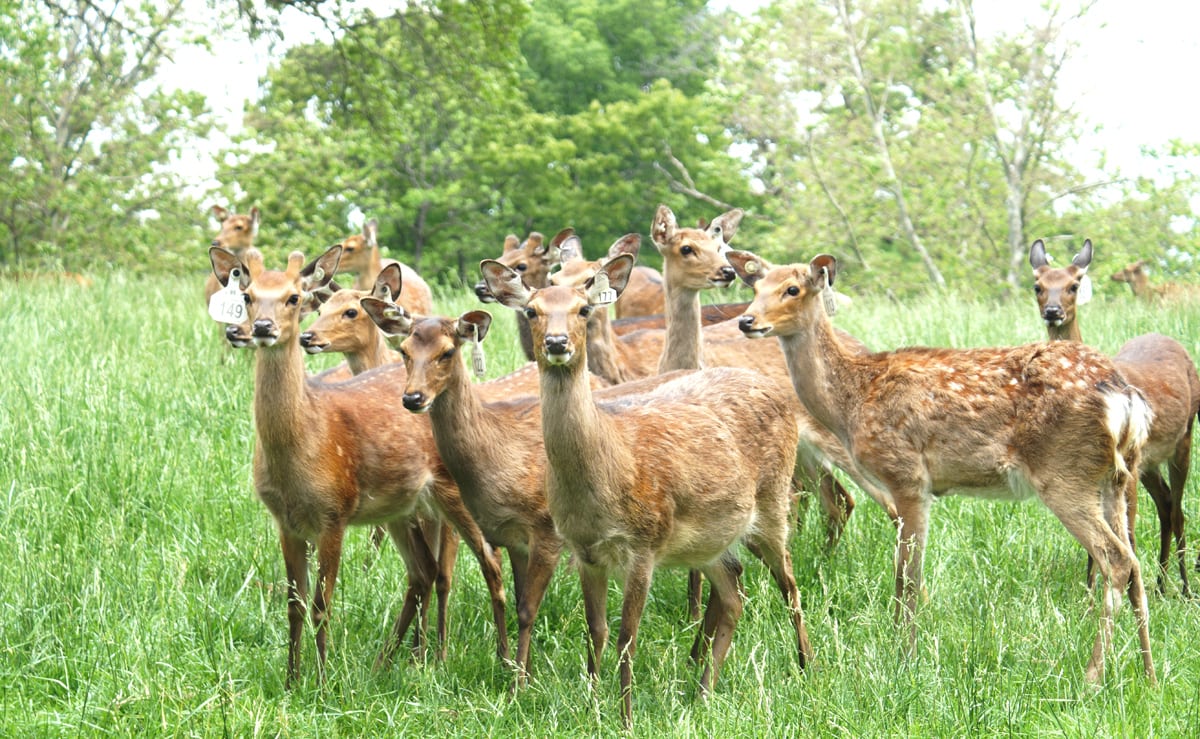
(556, 344)
(482, 292)
(1053, 313)
(216, 242)
(746, 323)
(728, 273)
(262, 327)
(306, 338)
(233, 333)
(413, 401)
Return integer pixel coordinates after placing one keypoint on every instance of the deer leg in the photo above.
(539, 568)
(1178, 468)
(777, 558)
(912, 528)
(637, 586)
(420, 567)
(725, 578)
(695, 592)
(594, 583)
(456, 513)
(295, 562)
(1153, 481)
(329, 558)
(448, 541)
(702, 645)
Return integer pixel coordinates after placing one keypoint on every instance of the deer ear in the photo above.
(725, 225)
(749, 267)
(550, 253)
(1037, 255)
(627, 244)
(371, 232)
(617, 271)
(318, 273)
(505, 284)
(1084, 257)
(823, 268)
(511, 242)
(391, 318)
(473, 325)
(224, 262)
(570, 250)
(388, 283)
(219, 213)
(662, 228)
(255, 217)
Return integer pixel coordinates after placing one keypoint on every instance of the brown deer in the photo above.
(671, 477)
(1137, 276)
(237, 234)
(317, 472)
(1053, 419)
(1157, 365)
(360, 255)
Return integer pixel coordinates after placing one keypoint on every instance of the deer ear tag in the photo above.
(227, 305)
(478, 364)
(828, 296)
(600, 293)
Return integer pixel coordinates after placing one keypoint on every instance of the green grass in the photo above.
(143, 583)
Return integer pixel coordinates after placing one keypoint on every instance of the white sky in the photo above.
(1132, 75)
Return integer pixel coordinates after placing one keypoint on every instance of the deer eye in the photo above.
(352, 313)
(687, 251)
(585, 311)
(530, 313)
(793, 290)
(522, 267)
(293, 299)
(1037, 290)
(246, 298)
(1075, 288)
(449, 353)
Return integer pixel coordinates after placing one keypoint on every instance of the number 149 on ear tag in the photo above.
(227, 305)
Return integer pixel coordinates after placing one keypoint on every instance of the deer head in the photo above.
(1060, 291)
(237, 231)
(275, 300)
(431, 354)
(694, 258)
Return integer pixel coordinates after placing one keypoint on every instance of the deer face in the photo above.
(785, 297)
(431, 355)
(530, 259)
(694, 258)
(274, 300)
(237, 231)
(343, 326)
(1059, 291)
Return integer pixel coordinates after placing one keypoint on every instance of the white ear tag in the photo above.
(227, 305)
(478, 365)
(600, 293)
(828, 296)
(1085, 291)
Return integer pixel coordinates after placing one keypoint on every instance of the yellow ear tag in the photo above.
(227, 305)
(600, 293)
(828, 296)
(478, 365)
(750, 267)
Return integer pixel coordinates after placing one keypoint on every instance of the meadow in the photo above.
(144, 585)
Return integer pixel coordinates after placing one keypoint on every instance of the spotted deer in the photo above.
(1055, 420)
(671, 477)
(317, 471)
(1157, 365)
(360, 255)
(237, 233)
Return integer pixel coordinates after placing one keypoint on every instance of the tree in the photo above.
(89, 138)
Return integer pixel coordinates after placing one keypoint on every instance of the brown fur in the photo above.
(1138, 278)
(317, 472)
(360, 255)
(1157, 365)
(1052, 419)
(236, 235)
(686, 470)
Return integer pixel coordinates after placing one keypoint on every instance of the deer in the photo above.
(236, 234)
(360, 254)
(317, 472)
(1051, 419)
(1137, 276)
(675, 476)
(1157, 365)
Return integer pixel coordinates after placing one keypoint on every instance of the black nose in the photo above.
(216, 242)
(413, 401)
(262, 327)
(556, 344)
(728, 273)
(746, 323)
(482, 291)
(1053, 313)
(233, 332)
(306, 338)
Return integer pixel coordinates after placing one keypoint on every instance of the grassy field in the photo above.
(144, 585)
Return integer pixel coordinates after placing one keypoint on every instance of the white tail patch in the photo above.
(1128, 418)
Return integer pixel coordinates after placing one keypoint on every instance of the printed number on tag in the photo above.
(226, 305)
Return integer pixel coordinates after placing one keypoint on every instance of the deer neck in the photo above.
(602, 355)
(1066, 331)
(583, 446)
(281, 399)
(376, 354)
(462, 428)
(826, 375)
(684, 345)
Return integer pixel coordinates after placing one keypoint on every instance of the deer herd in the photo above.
(672, 432)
